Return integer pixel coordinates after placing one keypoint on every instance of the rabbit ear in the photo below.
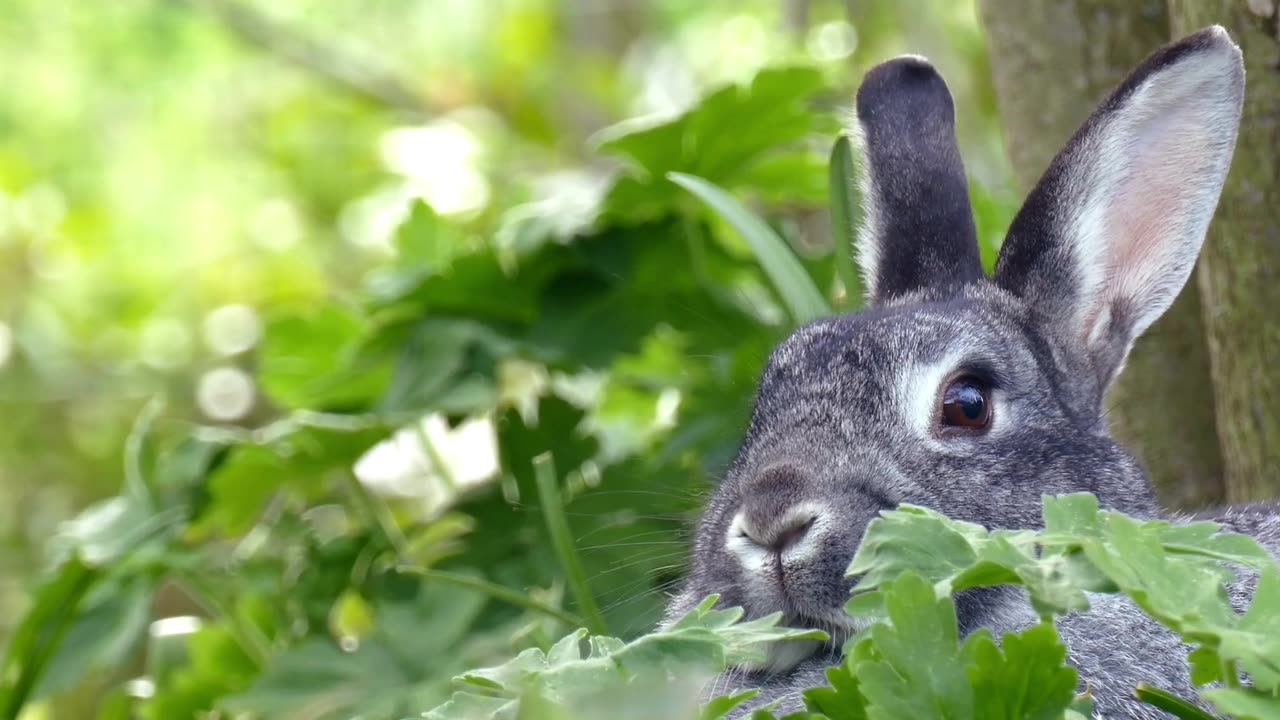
(917, 237)
(1109, 236)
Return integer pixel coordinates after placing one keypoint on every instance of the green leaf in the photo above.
(1254, 642)
(843, 191)
(803, 301)
(37, 637)
(1242, 704)
(1170, 703)
(424, 240)
(915, 539)
(917, 672)
(402, 665)
(656, 675)
(696, 142)
(1206, 666)
(446, 365)
(1025, 678)
(217, 666)
(109, 626)
(1082, 708)
(476, 286)
(311, 359)
(1174, 589)
(1056, 582)
(1075, 515)
(840, 699)
(792, 179)
(774, 100)
(717, 708)
(108, 531)
(469, 706)
(302, 462)
(315, 679)
(1205, 539)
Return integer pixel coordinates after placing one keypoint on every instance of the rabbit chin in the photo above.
(801, 610)
(782, 657)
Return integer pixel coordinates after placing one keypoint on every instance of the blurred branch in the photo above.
(331, 63)
(795, 17)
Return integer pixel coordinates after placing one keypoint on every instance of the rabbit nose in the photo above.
(780, 535)
(774, 515)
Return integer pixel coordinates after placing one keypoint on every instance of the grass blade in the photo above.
(796, 289)
(544, 472)
(844, 202)
(135, 483)
(1170, 703)
(493, 590)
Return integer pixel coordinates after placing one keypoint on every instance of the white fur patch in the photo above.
(752, 555)
(917, 394)
(741, 535)
(869, 225)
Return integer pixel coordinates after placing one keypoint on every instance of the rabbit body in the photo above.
(971, 395)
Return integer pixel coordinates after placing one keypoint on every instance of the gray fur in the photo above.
(845, 422)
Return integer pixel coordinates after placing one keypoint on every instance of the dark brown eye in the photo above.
(966, 403)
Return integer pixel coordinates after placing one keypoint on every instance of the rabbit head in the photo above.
(968, 394)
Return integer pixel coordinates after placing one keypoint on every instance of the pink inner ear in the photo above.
(1151, 221)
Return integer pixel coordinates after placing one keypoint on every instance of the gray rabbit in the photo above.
(972, 395)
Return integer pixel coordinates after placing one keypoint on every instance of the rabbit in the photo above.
(975, 395)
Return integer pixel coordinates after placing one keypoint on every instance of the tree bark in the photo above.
(1053, 62)
(1239, 272)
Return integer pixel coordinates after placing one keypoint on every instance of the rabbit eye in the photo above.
(966, 403)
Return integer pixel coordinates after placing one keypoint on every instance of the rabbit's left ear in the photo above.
(1109, 236)
(916, 238)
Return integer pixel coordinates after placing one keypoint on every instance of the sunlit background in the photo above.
(175, 174)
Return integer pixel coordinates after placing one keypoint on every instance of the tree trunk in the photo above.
(1053, 62)
(1239, 273)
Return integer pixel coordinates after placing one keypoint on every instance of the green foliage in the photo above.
(803, 301)
(1173, 572)
(657, 675)
(338, 549)
(910, 660)
(326, 596)
(369, 516)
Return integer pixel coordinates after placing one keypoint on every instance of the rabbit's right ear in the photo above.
(1109, 236)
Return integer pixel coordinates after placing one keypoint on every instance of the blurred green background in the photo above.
(390, 210)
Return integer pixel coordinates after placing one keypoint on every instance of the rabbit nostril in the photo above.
(780, 536)
(793, 535)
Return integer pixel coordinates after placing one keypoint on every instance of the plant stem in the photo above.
(495, 591)
(436, 459)
(250, 638)
(1170, 703)
(544, 472)
(340, 68)
(135, 482)
(379, 515)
